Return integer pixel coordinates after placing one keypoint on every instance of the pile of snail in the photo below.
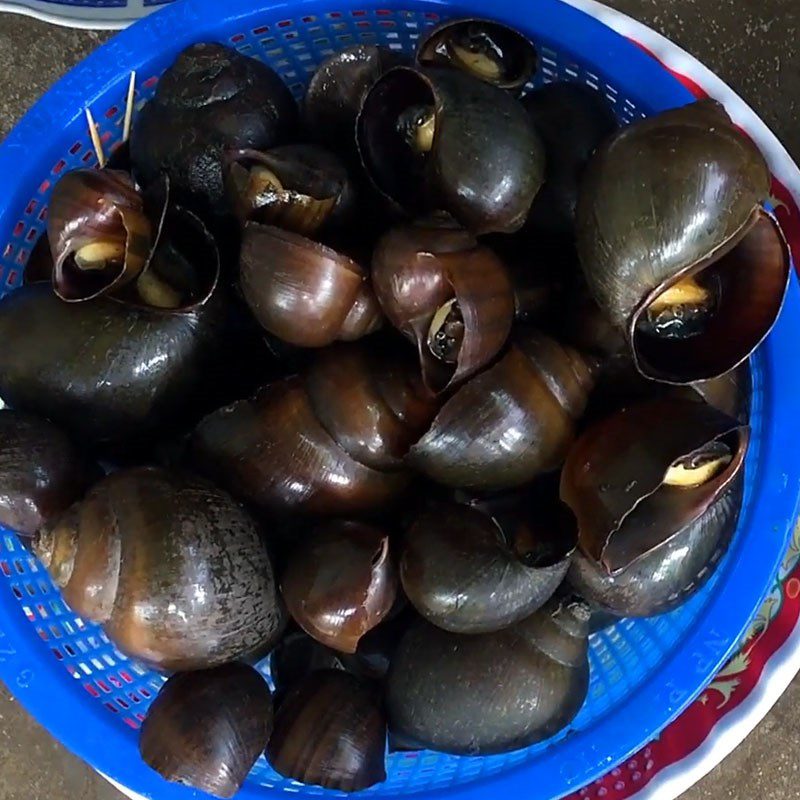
(411, 388)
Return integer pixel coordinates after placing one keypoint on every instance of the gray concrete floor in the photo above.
(751, 44)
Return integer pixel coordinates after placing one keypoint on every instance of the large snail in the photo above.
(329, 441)
(490, 692)
(207, 728)
(656, 492)
(116, 372)
(510, 423)
(437, 138)
(330, 730)
(173, 568)
(211, 99)
(465, 573)
(445, 292)
(303, 292)
(675, 244)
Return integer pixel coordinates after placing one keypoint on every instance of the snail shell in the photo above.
(132, 554)
(206, 729)
(490, 692)
(510, 423)
(675, 245)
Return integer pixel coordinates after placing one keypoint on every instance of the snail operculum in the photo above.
(417, 126)
(446, 332)
(682, 310)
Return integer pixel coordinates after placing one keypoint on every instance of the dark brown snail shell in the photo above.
(328, 442)
(572, 121)
(100, 236)
(113, 372)
(429, 273)
(480, 158)
(638, 479)
(42, 472)
(303, 292)
(675, 245)
(206, 729)
(462, 574)
(330, 730)
(668, 575)
(341, 583)
(336, 91)
(510, 423)
(490, 692)
(484, 49)
(299, 187)
(132, 554)
(210, 100)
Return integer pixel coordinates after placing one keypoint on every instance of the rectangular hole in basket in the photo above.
(237, 37)
(43, 215)
(131, 723)
(57, 653)
(122, 704)
(82, 646)
(111, 707)
(260, 30)
(11, 280)
(18, 594)
(31, 207)
(134, 698)
(115, 681)
(5, 569)
(42, 611)
(103, 686)
(56, 631)
(97, 664)
(125, 676)
(57, 607)
(91, 690)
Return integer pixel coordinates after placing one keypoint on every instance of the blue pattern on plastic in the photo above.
(643, 673)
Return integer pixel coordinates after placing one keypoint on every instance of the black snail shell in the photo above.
(42, 472)
(330, 730)
(484, 49)
(490, 692)
(440, 139)
(110, 371)
(463, 574)
(572, 121)
(510, 423)
(675, 245)
(210, 100)
(656, 492)
(206, 729)
(300, 187)
(173, 568)
(337, 90)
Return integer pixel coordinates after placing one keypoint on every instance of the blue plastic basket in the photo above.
(643, 673)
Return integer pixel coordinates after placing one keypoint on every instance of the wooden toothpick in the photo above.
(126, 128)
(98, 145)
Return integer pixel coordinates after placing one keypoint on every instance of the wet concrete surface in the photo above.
(752, 45)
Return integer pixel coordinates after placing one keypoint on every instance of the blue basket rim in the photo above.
(39, 682)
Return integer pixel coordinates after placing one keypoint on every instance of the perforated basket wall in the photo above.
(642, 673)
